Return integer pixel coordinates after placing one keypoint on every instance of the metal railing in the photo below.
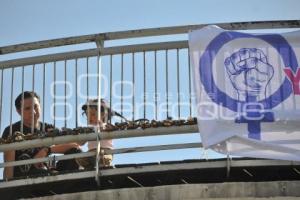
(131, 77)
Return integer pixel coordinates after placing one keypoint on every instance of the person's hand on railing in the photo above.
(62, 148)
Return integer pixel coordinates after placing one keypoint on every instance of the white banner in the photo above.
(247, 88)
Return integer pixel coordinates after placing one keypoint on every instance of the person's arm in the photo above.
(59, 148)
(62, 148)
(42, 153)
(8, 172)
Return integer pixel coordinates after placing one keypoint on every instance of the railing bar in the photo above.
(22, 104)
(11, 100)
(97, 157)
(2, 70)
(190, 83)
(155, 82)
(108, 151)
(33, 110)
(98, 78)
(110, 84)
(99, 86)
(167, 83)
(87, 79)
(122, 79)
(144, 66)
(178, 82)
(54, 98)
(33, 77)
(76, 92)
(94, 52)
(65, 67)
(185, 129)
(44, 84)
(46, 159)
(87, 88)
(145, 33)
(238, 163)
(133, 81)
(154, 148)
(99, 72)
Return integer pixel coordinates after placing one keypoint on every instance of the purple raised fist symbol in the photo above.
(249, 72)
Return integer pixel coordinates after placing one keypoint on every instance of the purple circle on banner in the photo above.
(205, 68)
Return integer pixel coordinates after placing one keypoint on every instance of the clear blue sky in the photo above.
(34, 20)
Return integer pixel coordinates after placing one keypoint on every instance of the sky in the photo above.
(35, 20)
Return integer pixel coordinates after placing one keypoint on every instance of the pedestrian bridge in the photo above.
(145, 76)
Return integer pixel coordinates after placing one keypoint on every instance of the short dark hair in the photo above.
(26, 94)
(93, 103)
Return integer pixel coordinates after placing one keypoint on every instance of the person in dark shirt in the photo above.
(30, 124)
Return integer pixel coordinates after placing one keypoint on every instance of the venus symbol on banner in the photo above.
(250, 73)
